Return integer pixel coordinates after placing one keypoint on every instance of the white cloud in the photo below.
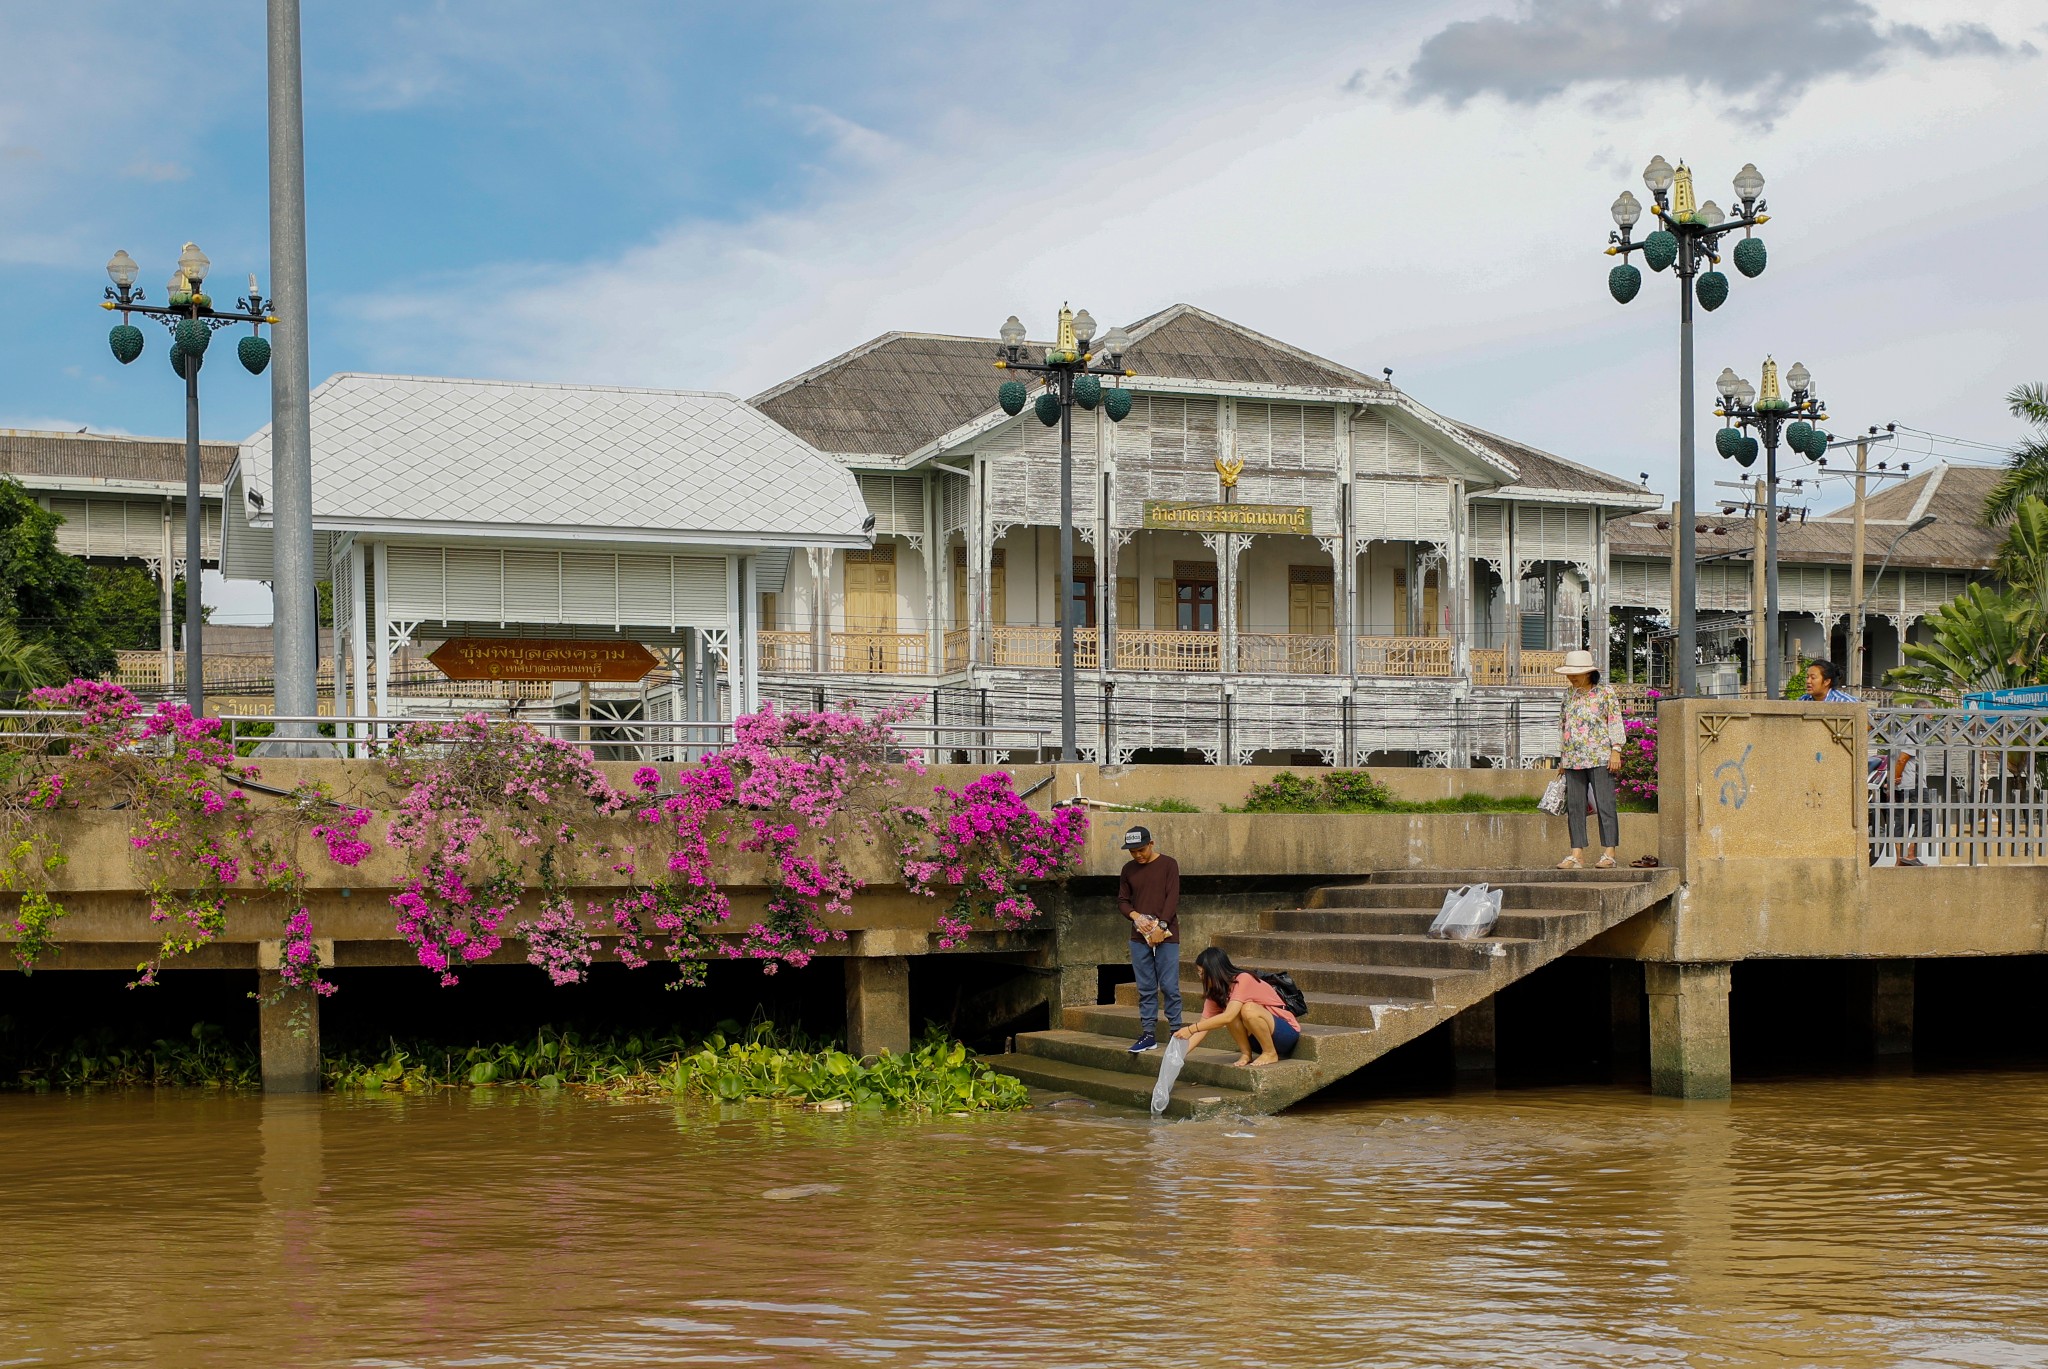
(1460, 246)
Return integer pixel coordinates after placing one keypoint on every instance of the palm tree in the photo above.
(2026, 472)
(25, 665)
(1983, 639)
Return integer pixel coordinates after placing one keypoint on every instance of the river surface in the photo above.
(1893, 1220)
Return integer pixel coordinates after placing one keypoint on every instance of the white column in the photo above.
(933, 554)
(382, 569)
(748, 698)
(1456, 588)
(358, 631)
(977, 568)
(1596, 626)
(733, 626)
(1346, 563)
(166, 610)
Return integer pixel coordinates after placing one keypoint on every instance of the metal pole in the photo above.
(295, 613)
(1759, 594)
(195, 523)
(1774, 664)
(1687, 645)
(1854, 666)
(1065, 597)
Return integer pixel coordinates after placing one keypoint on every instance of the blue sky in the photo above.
(716, 197)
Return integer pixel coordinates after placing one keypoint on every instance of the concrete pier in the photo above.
(1625, 1012)
(1890, 1006)
(288, 1035)
(877, 1004)
(1689, 1055)
(1473, 1037)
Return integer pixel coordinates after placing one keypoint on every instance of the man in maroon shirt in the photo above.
(1149, 895)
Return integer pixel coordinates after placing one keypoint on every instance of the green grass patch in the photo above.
(1162, 805)
(1355, 791)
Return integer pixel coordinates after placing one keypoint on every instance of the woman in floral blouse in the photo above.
(1590, 754)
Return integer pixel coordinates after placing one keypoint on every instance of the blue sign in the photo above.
(2030, 697)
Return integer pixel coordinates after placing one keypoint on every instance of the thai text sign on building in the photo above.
(1176, 516)
(510, 658)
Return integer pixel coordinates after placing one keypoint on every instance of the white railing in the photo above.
(1406, 657)
(1958, 786)
(324, 736)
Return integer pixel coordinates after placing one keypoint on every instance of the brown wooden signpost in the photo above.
(528, 658)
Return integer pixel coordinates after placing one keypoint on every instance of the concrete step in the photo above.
(1356, 948)
(1530, 923)
(1206, 1066)
(1120, 1087)
(1314, 977)
(1119, 1021)
(1355, 1010)
(1534, 895)
(1623, 874)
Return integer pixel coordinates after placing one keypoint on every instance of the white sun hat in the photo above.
(1577, 663)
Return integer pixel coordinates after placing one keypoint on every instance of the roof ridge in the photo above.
(1152, 323)
(529, 385)
(110, 437)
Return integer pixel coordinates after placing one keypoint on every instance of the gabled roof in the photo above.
(903, 394)
(902, 391)
(427, 456)
(1545, 473)
(84, 462)
(1957, 540)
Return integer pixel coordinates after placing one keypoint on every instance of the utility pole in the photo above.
(1855, 662)
(295, 617)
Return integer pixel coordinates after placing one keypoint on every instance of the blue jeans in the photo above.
(1158, 970)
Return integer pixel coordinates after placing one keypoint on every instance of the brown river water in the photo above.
(1888, 1220)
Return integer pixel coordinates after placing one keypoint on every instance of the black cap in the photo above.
(1136, 837)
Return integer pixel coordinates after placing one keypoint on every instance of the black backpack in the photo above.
(1282, 983)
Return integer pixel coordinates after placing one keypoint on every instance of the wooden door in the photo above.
(1311, 609)
(1126, 603)
(871, 610)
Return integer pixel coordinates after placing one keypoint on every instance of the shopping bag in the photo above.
(1552, 801)
(1169, 1070)
(1467, 913)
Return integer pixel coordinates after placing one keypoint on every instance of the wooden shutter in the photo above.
(1126, 601)
(1165, 605)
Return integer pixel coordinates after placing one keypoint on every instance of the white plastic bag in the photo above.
(1552, 801)
(1467, 913)
(1169, 1070)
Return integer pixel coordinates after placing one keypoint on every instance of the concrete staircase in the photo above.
(1373, 978)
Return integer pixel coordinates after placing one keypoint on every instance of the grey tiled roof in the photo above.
(1540, 470)
(670, 465)
(40, 457)
(902, 391)
(1958, 540)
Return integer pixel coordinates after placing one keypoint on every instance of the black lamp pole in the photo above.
(1688, 238)
(1776, 418)
(1071, 377)
(189, 314)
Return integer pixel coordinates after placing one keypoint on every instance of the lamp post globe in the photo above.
(1687, 237)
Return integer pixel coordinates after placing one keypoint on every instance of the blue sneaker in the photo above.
(1143, 1044)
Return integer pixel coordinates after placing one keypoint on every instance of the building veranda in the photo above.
(1431, 576)
(509, 512)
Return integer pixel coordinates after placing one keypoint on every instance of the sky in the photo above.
(703, 196)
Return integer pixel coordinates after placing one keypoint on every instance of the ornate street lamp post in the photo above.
(1071, 377)
(1689, 239)
(188, 312)
(1776, 418)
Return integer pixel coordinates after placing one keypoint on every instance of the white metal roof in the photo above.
(425, 456)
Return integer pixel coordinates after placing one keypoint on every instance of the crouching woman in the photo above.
(1247, 1007)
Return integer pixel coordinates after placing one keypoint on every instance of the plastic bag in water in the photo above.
(1169, 1070)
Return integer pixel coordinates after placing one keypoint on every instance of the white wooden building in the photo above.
(495, 509)
(1443, 573)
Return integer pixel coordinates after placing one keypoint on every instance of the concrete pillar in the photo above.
(1080, 986)
(1472, 1037)
(1689, 1030)
(877, 1004)
(288, 1035)
(1625, 1011)
(1890, 1006)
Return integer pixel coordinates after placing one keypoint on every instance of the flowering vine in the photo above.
(499, 826)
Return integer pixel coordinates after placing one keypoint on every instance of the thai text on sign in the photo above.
(505, 658)
(1176, 516)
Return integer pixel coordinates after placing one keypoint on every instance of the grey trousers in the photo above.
(1575, 782)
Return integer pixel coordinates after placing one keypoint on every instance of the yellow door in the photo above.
(1126, 603)
(1165, 606)
(959, 587)
(1311, 625)
(871, 611)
